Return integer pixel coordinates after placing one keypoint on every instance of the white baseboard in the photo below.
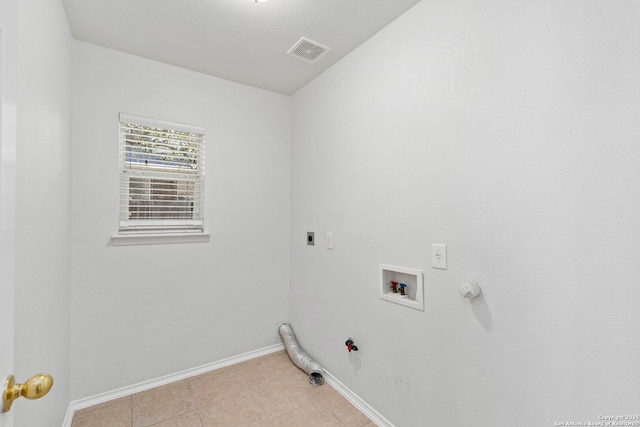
(354, 399)
(157, 382)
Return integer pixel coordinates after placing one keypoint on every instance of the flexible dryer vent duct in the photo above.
(298, 356)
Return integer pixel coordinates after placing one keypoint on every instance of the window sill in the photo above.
(156, 239)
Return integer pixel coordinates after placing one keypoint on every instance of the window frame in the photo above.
(177, 215)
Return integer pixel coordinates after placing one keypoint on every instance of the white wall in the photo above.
(510, 132)
(139, 312)
(43, 240)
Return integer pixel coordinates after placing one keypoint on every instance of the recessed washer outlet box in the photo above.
(311, 240)
(402, 285)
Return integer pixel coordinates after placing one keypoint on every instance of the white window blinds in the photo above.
(161, 176)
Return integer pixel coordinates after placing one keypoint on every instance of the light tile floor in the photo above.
(266, 391)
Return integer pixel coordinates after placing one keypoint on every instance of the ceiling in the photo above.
(238, 40)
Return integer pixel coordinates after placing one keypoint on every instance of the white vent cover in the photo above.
(308, 50)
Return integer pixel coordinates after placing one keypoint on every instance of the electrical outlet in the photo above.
(311, 240)
(439, 255)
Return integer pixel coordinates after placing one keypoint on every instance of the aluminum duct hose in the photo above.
(298, 356)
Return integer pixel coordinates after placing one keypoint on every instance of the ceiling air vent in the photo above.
(308, 50)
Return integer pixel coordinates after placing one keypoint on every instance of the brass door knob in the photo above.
(34, 388)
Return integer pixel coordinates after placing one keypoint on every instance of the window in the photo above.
(161, 176)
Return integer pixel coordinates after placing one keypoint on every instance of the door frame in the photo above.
(8, 130)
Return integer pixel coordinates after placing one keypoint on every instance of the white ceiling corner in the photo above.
(238, 40)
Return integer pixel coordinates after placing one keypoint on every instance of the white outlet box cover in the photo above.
(439, 255)
(414, 297)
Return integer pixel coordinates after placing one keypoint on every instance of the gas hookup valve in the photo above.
(350, 345)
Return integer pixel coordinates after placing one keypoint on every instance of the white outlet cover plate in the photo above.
(439, 255)
(329, 240)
